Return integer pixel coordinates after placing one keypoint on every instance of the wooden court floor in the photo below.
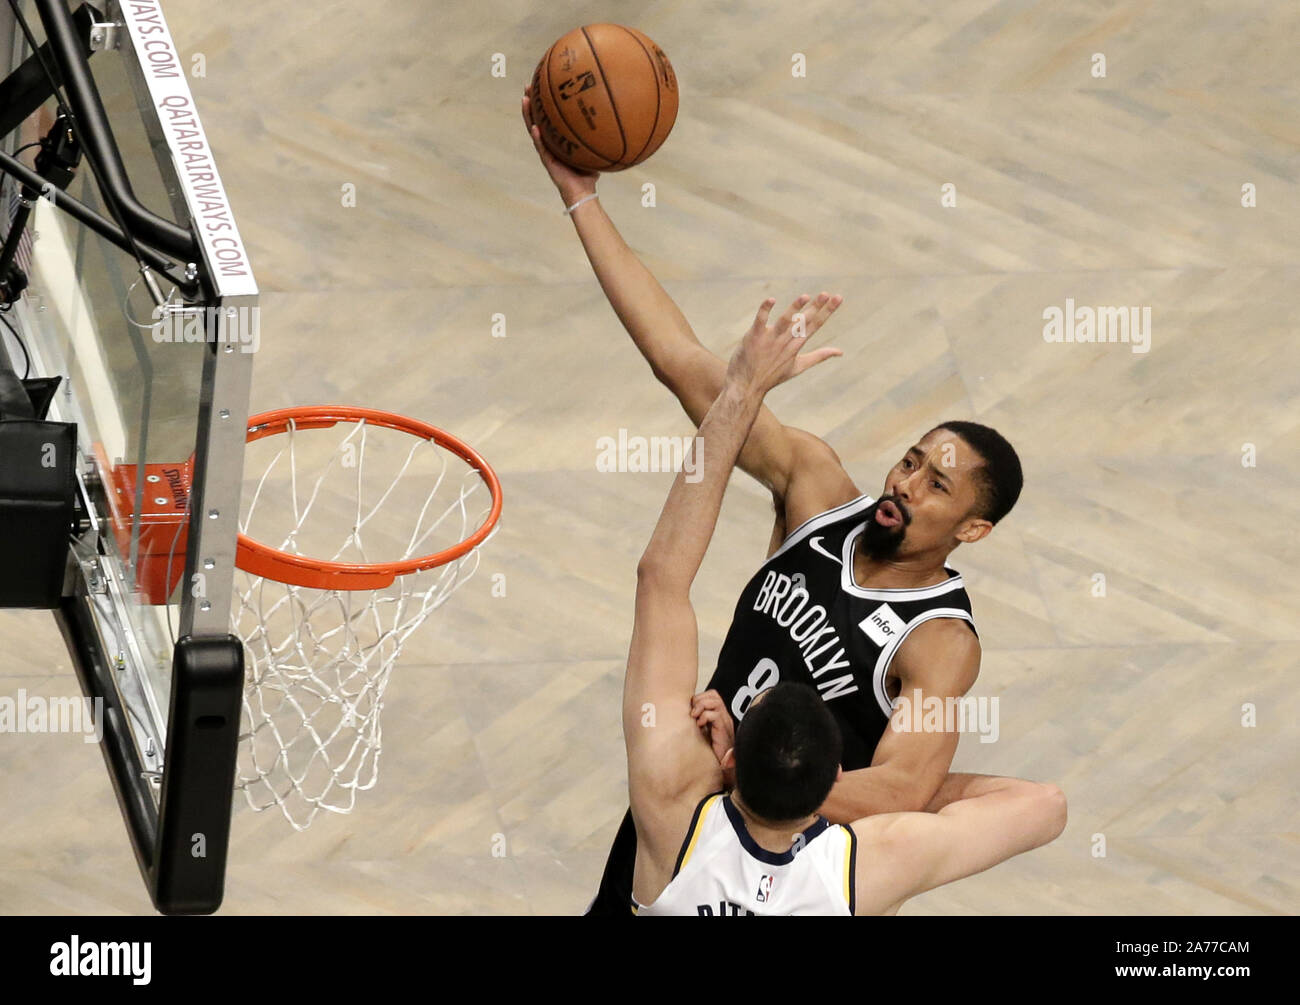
(503, 777)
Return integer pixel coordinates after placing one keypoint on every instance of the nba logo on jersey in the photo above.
(764, 889)
(882, 625)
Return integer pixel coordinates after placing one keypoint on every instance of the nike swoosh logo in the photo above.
(817, 547)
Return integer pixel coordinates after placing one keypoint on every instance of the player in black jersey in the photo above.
(856, 596)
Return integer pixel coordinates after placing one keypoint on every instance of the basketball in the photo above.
(604, 97)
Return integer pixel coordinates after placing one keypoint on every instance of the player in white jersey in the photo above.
(762, 848)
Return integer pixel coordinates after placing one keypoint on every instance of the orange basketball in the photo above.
(604, 97)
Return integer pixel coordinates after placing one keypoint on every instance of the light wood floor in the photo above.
(1117, 191)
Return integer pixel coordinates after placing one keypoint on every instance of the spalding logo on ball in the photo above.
(605, 97)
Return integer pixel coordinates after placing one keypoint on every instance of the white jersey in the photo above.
(721, 870)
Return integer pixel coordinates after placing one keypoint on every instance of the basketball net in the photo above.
(320, 656)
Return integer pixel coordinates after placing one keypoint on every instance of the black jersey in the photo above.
(803, 617)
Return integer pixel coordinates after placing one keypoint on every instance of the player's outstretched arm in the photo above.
(976, 822)
(663, 662)
(774, 454)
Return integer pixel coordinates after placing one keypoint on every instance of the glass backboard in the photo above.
(159, 393)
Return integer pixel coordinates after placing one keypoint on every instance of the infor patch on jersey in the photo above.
(882, 625)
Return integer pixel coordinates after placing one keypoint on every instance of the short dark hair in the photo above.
(1000, 478)
(787, 753)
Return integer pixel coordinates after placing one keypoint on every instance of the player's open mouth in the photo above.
(888, 515)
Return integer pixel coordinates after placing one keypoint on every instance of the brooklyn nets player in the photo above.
(762, 849)
(856, 597)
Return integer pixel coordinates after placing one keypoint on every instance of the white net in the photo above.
(319, 660)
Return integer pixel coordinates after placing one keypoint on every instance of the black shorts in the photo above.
(614, 898)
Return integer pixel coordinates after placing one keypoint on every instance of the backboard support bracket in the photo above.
(104, 35)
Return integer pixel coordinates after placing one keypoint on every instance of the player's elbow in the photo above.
(900, 788)
(909, 799)
(651, 571)
(684, 372)
(656, 576)
(911, 790)
(665, 372)
(906, 792)
(1049, 811)
(926, 786)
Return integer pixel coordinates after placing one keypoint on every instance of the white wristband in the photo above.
(586, 198)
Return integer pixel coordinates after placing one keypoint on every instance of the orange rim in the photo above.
(298, 570)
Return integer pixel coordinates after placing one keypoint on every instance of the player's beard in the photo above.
(879, 542)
